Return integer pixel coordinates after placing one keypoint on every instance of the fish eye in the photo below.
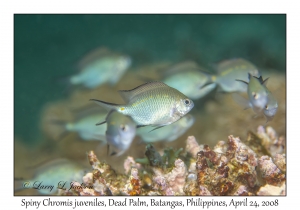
(123, 127)
(187, 101)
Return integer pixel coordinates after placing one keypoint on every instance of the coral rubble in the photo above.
(255, 166)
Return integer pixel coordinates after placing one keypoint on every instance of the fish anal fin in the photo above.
(158, 127)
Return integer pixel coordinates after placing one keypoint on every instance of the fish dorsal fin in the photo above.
(265, 82)
(127, 95)
(260, 79)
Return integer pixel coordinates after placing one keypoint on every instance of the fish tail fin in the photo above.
(105, 104)
(211, 79)
(64, 81)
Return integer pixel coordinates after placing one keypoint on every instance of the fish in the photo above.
(120, 132)
(58, 173)
(86, 127)
(187, 78)
(257, 94)
(272, 104)
(168, 133)
(152, 104)
(271, 107)
(101, 68)
(229, 71)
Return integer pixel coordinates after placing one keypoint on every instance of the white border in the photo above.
(8, 8)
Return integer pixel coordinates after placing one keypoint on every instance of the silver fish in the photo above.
(271, 107)
(86, 127)
(120, 132)
(186, 78)
(231, 70)
(257, 94)
(167, 133)
(153, 103)
(106, 68)
(53, 175)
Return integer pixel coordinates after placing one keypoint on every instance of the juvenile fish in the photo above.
(52, 175)
(105, 67)
(120, 132)
(167, 133)
(230, 71)
(257, 94)
(271, 106)
(153, 103)
(186, 78)
(86, 127)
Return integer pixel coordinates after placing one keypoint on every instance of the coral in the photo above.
(272, 190)
(270, 172)
(279, 161)
(270, 140)
(230, 168)
(129, 163)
